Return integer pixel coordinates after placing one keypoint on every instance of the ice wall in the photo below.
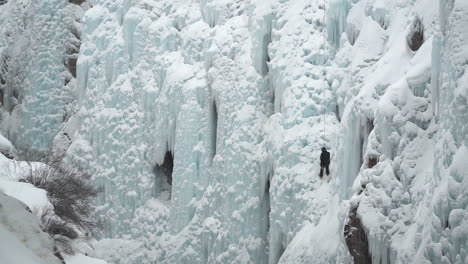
(239, 94)
(450, 221)
(373, 79)
(37, 89)
(236, 94)
(158, 79)
(393, 106)
(409, 170)
(203, 122)
(304, 99)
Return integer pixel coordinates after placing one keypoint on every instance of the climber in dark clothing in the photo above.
(324, 162)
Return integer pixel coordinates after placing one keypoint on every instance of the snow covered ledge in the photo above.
(21, 237)
(6, 148)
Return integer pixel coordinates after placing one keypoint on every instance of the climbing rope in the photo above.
(323, 66)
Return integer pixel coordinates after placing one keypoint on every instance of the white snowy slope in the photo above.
(82, 259)
(203, 121)
(21, 238)
(10, 173)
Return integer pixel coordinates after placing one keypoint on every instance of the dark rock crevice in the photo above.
(213, 120)
(337, 112)
(267, 217)
(73, 50)
(415, 37)
(356, 239)
(265, 54)
(76, 2)
(369, 126)
(371, 162)
(4, 70)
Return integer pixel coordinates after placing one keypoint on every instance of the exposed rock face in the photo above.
(415, 37)
(73, 50)
(371, 162)
(356, 239)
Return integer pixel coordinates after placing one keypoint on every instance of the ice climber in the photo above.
(324, 161)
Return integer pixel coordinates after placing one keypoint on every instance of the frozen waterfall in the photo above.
(203, 122)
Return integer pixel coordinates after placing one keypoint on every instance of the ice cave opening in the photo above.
(163, 174)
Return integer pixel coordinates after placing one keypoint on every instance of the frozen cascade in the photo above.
(203, 121)
(450, 220)
(192, 114)
(336, 20)
(37, 89)
(204, 107)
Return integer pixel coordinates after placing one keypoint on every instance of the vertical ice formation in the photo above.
(336, 16)
(397, 189)
(157, 78)
(203, 121)
(201, 81)
(304, 100)
(450, 219)
(36, 88)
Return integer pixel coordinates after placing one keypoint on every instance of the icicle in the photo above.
(435, 72)
(336, 20)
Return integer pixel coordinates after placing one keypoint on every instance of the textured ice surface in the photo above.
(450, 218)
(236, 92)
(407, 199)
(35, 85)
(203, 121)
(202, 82)
(39, 43)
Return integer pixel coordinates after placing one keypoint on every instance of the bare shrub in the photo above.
(54, 225)
(61, 231)
(69, 190)
(72, 195)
